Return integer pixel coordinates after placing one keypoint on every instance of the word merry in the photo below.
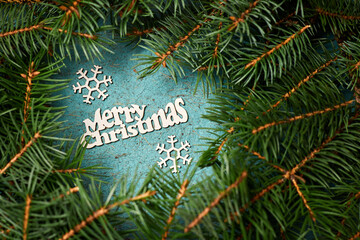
(173, 114)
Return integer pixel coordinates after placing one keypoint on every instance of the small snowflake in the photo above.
(177, 151)
(93, 79)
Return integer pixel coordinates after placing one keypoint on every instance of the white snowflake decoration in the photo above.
(83, 74)
(172, 141)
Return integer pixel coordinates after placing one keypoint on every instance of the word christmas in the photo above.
(173, 113)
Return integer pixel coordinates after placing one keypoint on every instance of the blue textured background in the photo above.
(155, 91)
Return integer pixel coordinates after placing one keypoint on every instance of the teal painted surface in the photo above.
(156, 91)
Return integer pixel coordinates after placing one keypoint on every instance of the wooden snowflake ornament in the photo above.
(89, 81)
(173, 154)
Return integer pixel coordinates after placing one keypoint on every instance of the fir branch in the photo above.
(28, 77)
(31, 74)
(71, 190)
(21, 30)
(258, 196)
(22, 151)
(215, 67)
(20, 1)
(134, 12)
(138, 33)
(172, 48)
(173, 211)
(85, 35)
(34, 29)
(356, 66)
(337, 15)
(284, 19)
(246, 102)
(103, 211)
(26, 216)
(217, 41)
(216, 202)
(303, 198)
(312, 155)
(248, 227)
(70, 10)
(128, 9)
(229, 131)
(72, 170)
(255, 61)
(302, 116)
(218, 35)
(215, 154)
(40, 26)
(357, 235)
(236, 20)
(294, 89)
(291, 174)
(357, 196)
(7, 231)
(247, 148)
(287, 176)
(219, 149)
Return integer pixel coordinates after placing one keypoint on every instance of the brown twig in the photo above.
(22, 151)
(7, 231)
(172, 48)
(288, 94)
(94, 37)
(262, 193)
(219, 149)
(312, 154)
(357, 235)
(255, 61)
(285, 19)
(137, 32)
(218, 35)
(230, 131)
(70, 10)
(173, 211)
(356, 66)
(26, 216)
(20, 1)
(302, 116)
(40, 26)
(215, 202)
(248, 98)
(31, 74)
(236, 20)
(103, 211)
(247, 148)
(127, 10)
(71, 191)
(162, 57)
(27, 29)
(303, 198)
(68, 170)
(246, 229)
(324, 12)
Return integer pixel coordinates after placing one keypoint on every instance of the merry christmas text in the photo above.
(173, 114)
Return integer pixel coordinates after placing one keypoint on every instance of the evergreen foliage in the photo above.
(285, 151)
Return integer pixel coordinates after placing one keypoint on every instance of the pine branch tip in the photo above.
(215, 202)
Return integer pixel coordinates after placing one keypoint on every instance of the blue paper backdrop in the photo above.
(155, 91)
